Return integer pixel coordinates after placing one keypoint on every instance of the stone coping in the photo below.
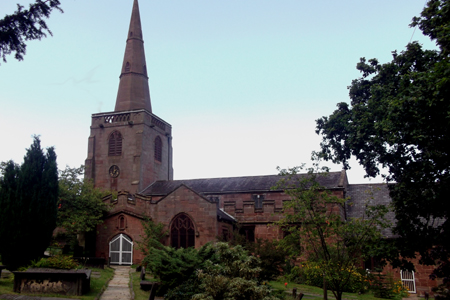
(56, 271)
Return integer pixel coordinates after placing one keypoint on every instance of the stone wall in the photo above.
(422, 277)
(202, 212)
(137, 165)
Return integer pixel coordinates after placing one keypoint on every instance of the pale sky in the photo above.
(240, 81)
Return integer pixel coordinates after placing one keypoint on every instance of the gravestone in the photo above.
(51, 281)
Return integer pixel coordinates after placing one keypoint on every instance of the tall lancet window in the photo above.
(115, 144)
(158, 149)
(127, 67)
(182, 232)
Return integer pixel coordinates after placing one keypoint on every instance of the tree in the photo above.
(28, 199)
(80, 207)
(313, 218)
(399, 119)
(24, 25)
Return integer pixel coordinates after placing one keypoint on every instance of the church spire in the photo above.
(134, 92)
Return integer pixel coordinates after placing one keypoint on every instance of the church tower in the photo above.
(130, 148)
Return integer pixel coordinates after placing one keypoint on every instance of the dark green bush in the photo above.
(57, 262)
(235, 276)
(272, 257)
(185, 291)
(175, 266)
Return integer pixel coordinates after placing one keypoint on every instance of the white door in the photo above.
(121, 250)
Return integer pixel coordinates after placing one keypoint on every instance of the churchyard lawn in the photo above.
(311, 292)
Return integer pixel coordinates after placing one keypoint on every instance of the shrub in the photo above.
(175, 266)
(234, 277)
(311, 273)
(384, 286)
(57, 262)
(272, 258)
(442, 291)
(185, 291)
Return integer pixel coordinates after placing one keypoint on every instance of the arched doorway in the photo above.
(121, 250)
(182, 232)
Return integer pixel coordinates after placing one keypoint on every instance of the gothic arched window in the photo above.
(182, 232)
(115, 144)
(158, 149)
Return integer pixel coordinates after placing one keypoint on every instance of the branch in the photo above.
(24, 25)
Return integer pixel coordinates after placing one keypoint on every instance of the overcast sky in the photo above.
(240, 81)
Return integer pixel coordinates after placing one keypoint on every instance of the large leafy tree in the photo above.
(28, 199)
(313, 219)
(399, 118)
(24, 25)
(80, 207)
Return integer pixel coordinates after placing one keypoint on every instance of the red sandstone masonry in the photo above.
(202, 212)
(137, 165)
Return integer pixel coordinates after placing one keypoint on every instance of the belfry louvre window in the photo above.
(158, 149)
(115, 144)
(182, 232)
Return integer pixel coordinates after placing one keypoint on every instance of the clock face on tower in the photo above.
(114, 171)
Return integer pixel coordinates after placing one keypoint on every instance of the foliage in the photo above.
(435, 23)
(57, 262)
(80, 207)
(184, 291)
(234, 276)
(313, 218)
(442, 291)
(175, 266)
(25, 25)
(399, 119)
(28, 197)
(311, 273)
(384, 286)
(154, 235)
(399, 290)
(272, 258)
(237, 237)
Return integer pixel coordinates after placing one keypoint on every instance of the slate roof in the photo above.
(370, 194)
(233, 184)
(225, 216)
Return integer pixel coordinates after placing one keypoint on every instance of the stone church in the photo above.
(130, 152)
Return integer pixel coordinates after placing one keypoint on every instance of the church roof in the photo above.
(134, 92)
(226, 185)
(362, 195)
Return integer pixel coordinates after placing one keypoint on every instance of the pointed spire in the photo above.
(134, 92)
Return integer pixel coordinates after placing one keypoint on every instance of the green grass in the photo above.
(97, 285)
(312, 292)
(6, 285)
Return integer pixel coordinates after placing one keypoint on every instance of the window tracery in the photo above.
(182, 232)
